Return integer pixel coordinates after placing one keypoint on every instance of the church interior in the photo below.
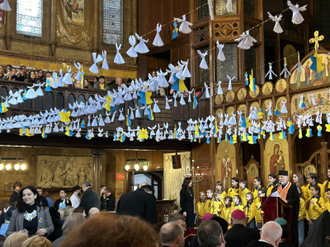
(291, 131)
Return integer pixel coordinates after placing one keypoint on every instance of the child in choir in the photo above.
(209, 201)
(200, 210)
(217, 204)
(243, 185)
(315, 206)
(298, 179)
(261, 193)
(250, 211)
(257, 186)
(221, 191)
(312, 179)
(326, 185)
(235, 189)
(272, 183)
(301, 217)
(327, 205)
(227, 210)
(238, 203)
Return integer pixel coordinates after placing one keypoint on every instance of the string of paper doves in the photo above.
(226, 127)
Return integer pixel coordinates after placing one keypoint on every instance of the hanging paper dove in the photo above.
(207, 93)
(189, 95)
(203, 64)
(156, 108)
(283, 109)
(131, 52)
(285, 71)
(245, 40)
(220, 92)
(174, 99)
(31, 94)
(270, 72)
(105, 62)
(185, 25)
(185, 72)
(276, 19)
(67, 78)
(229, 6)
(229, 82)
(96, 59)
(297, 17)
(5, 6)
(118, 58)
(158, 40)
(182, 101)
(299, 65)
(121, 116)
(78, 67)
(175, 31)
(141, 47)
(221, 55)
(209, 2)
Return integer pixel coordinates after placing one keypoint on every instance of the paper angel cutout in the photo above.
(158, 40)
(121, 115)
(207, 92)
(5, 6)
(189, 96)
(137, 112)
(219, 92)
(96, 59)
(277, 28)
(283, 109)
(156, 108)
(209, 2)
(232, 120)
(175, 95)
(141, 47)
(185, 72)
(162, 82)
(299, 65)
(78, 67)
(270, 72)
(221, 55)
(118, 58)
(245, 40)
(182, 101)
(229, 83)
(131, 52)
(105, 62)
(39, 91)
(67, 78)
(31, 94)
(285, 71)
(229, 6)
(302, 103)
(167, 105)
(297, 18)
(185, 25)
(203, 64)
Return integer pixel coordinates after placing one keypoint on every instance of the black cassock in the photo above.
(293, 200)
(187, 205)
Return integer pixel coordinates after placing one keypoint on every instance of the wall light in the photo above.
(127, 168)
(16, 167)
(23, 167)
(145, 168)
(1, 167)
(136, 167)
(8, 166)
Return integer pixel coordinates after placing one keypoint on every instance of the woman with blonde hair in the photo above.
(15, 240)
(37, 241)
(68, 211)
(298, 179)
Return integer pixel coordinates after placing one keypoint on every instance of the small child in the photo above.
(235, 189)
(243, 185)
(250, 211)
(315, 206)
(261, 193)
(221, 191)
(227, 210)
(200, 206)
(238, 203)
(327, 205)
(301, 217)
(209, 201)
(217, 204)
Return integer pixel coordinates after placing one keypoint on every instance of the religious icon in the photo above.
(289, 52)
(243, 109)
(230, 110)
(252, 173)
(309, 169)
(255, 93)
(280, 86)
(277, 162)
(256, 104)
(267, 88)
(226, 170)
(74, 12)
(241, 94)
(217, 113)
(266, 105)
(279, 105)
(218, 99)
(230, 96)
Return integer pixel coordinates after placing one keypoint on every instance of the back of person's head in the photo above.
(9, 204)
(209, 234)
(271, 232)
(72, 222)
(15, 240)
(171, 233)
(93, 211)
(68, 211)
(37, 241)
(222, 222)
(78, 210)
(148, 188)
(75, 188)
(175, 217)
(87, 184)
(116, 231)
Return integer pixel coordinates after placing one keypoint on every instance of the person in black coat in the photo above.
(290, 195)
(63, 202)
(109, 201)
(140, 202)
(43, 200)
(187, 202)
(89, 199)
(239, 235)
(14, 196)
(7, 212)
(270, 236)
(56, 219)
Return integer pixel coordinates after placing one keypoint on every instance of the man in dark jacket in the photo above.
(89, 199)
(14, 197)
(271, 234)
(141, 202)
(63, 202)
(239, 235)
(43, 200)
(109, 201)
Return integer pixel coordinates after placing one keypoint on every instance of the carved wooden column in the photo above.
(97, 167)
(324, 160)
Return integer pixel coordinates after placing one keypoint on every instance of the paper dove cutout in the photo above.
(245, 40)
(156, 108)
(131, 52)
(297, 18)
(167, 105)
(105, 62)
(219, 88)
(284, 110)
(158, 40)
(185, 25)
(277, 28)
(185, 72)
(5, 6)
(270, 72)
(229, 83)
(96, 59)
(221, 55)
(209, 2)
(118, 58)
(78, 67)
(285, 71)
(141, 47)
(203, 64)
(207, 93)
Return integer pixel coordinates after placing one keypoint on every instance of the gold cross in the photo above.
(316, 40)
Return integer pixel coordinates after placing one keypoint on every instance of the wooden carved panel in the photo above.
(201, 34)
(226, 30)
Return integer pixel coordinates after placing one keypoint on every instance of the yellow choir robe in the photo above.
(269, 189)
(326, 185)
(208, 205)
(258, 212)
(302, 209)
(216, 207)
(243, 196)
(200, 209)
(256, 196)
(223, 196)
(238, 206)
(305, 193)
(226, 212)
(316, 209)
(250, 211)
(309, 191)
